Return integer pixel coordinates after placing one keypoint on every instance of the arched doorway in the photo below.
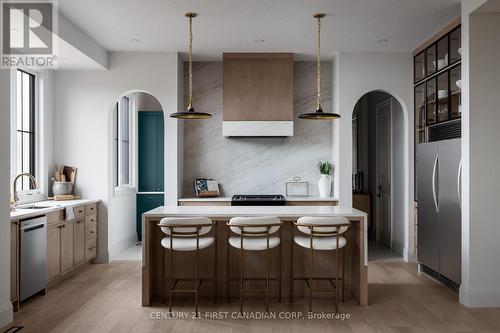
(378, 160)
(136, 160)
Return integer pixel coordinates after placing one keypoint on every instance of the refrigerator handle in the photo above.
(434, 170)
(459, 184)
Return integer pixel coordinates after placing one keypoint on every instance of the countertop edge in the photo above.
(62, 205)
(289, 198)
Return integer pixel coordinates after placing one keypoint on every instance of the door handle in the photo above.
(434, 171)
(459, 184)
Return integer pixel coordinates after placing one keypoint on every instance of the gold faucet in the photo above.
(14, 189)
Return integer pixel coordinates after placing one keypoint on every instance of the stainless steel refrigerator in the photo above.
(439, 209)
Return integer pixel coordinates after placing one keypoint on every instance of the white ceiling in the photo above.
(285, 25)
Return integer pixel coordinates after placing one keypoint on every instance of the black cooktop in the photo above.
(258, 200)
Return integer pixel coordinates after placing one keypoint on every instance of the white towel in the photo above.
(70, 214)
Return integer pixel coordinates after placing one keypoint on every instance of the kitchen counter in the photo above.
(290, 201)
(355, 250)
(49, 207)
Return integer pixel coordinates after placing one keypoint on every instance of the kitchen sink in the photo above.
(34, 206)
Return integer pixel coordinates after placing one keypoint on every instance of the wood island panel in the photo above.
(153, 254)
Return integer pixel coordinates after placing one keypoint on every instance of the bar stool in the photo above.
(254, 234)
(323, 234)
(187, 235)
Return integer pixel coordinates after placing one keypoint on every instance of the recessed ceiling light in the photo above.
(382, 40)
(135, 40)
(260, 40)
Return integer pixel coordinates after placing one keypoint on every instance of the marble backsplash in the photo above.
(256, 165)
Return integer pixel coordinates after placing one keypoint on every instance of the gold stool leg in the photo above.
(171, 278)
(310, 273)
(241, 274)
(291, 266)
(215, 264)
(279, 268)
(343, 274)
(197, 279)
(267, 273)
(228, 269)
(337, 266)
(163, 277)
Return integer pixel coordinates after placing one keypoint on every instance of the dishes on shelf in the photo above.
(459, 84)
(442, 93)
(442, 63)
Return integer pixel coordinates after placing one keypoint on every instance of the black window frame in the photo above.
(32, 125)
(118, 141)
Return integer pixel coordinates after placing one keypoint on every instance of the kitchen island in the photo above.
(356, 284)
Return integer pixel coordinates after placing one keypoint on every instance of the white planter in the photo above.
(325, 186)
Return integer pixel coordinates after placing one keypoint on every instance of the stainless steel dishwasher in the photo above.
(33, 256)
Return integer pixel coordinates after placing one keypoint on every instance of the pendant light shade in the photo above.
(319, 114)
(190, 113)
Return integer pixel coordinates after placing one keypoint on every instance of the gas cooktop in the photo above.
(258, 200)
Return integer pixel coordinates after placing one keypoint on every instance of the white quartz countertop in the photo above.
(289, 198)
(48, 206)
(231, 211)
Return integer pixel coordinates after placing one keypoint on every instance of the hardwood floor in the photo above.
(106, 298)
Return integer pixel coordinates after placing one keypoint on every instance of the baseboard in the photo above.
(6, 315)
(480, 300)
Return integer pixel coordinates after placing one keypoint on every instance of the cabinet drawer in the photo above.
(91, 219)
(90, 248)
(90, 209)
(91, 231)
(79, 211)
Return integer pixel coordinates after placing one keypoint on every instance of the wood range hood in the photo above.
(258, 94)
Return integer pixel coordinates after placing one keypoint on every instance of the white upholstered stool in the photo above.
(321, 234)
(254, 234)
(187, 235)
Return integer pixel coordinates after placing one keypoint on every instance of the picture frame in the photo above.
(206, 188)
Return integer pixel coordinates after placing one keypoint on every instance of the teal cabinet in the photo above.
(151, 164)
(146, 202)
(151, 151)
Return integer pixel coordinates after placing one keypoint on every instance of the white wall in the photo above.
(45, 135)
(82, 104)
(356, 74)
(147, 102)
(480, 159)
(5, 305)
(398, 209)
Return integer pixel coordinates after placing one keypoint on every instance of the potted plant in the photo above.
(325, 180)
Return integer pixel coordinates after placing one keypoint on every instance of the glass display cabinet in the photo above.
(437, 83)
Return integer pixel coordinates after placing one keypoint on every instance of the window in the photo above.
(122, 143)
(25, 127)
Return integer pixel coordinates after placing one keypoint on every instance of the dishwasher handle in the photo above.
(32, 228)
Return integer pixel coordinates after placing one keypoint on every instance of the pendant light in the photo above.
(319, 114)
(190, 113)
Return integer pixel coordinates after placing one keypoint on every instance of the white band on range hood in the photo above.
(257, 128)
